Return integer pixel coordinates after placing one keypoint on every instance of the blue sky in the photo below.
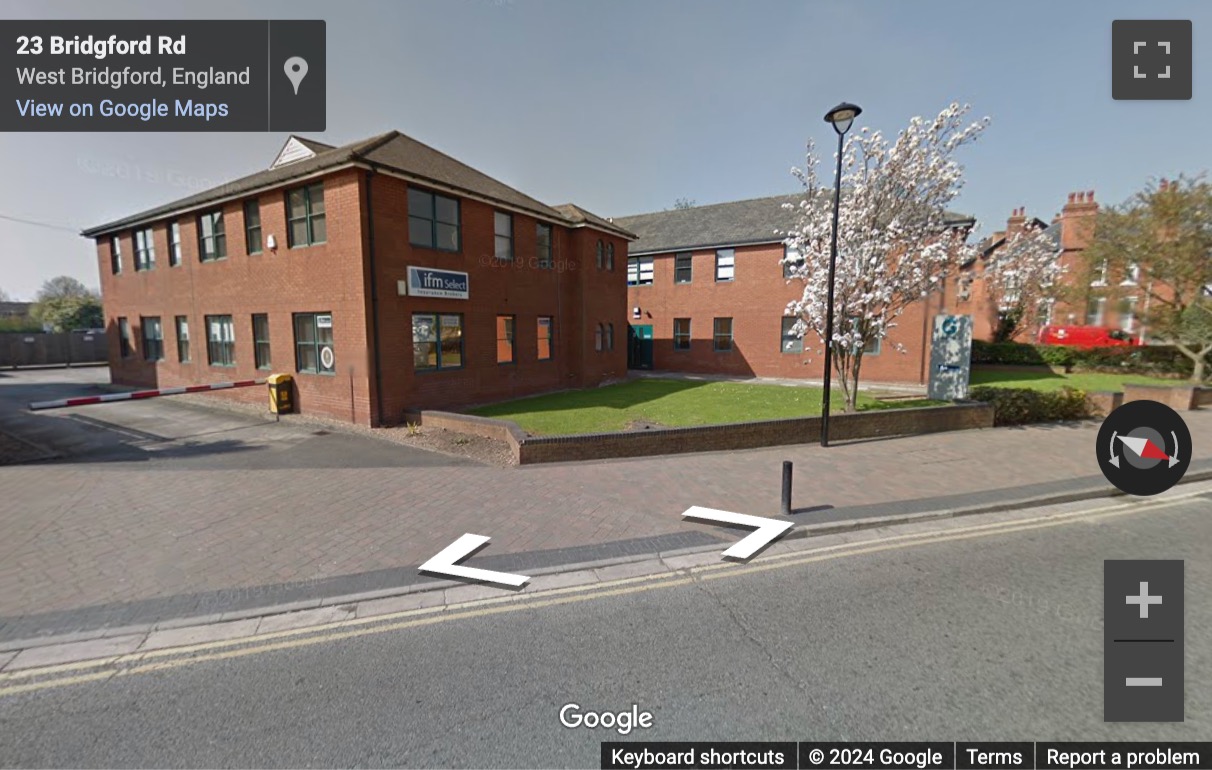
(624, 106)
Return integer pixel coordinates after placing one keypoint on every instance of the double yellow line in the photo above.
(129, 664)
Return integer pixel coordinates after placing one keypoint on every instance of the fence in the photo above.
(51, 349)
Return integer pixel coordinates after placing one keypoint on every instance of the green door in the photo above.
(639, 347)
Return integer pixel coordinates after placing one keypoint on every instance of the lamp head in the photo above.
(842, 116)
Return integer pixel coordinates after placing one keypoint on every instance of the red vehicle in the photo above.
(1085, 336)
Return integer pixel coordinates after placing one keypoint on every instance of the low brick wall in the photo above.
(1179, 398)
(749, 435)
(1104, 402)
(1203, 396)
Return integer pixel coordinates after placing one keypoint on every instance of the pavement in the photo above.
(980, 628)
(160, 512)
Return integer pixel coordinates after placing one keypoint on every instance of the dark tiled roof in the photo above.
(12, 309)
(392, 151)
(313, 145)
(577, 215)
(757, 220)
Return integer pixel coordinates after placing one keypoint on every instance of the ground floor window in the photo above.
(723, 334)
(220, 341)
(792, 342)
(314, 353)
(546, 336)
(153, 338)
(1094, 311)
(182, 324)
(260, 323)
(506, 342)
(609, 337)
(681, 334)
(124, 337)
(437, 341)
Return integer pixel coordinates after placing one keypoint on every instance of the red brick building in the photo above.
(707, 290)
(383, 275)
(1110, 301)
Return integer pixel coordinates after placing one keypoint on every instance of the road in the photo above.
(969, 633)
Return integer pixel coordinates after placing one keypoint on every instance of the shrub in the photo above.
(1155, 360)
(1021, 406)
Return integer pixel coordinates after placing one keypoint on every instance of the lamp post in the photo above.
(840, 117)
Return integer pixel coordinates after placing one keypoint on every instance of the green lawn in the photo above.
(1087, 381)
(670, 403)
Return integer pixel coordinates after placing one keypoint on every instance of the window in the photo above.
(182, 324)
(503, 227)
(1094, 311)
(174, 243)
(153, 338)
(506, 342)
(1100, 275)
(145, 249)
(639, 271)
(723, 334)
(115, 254)
(1127, 314)
(220, 341)
(873, 347)
(683, 267)
(792, 342)
(546, 335)
(610, 256)
(1132, 277)
(725, 264)
(598, 337)
(792, 261)
(260, 323)
(305, 224)
(437, 341)
(313, 343)
(124, 337)
(212, 241)
(681, 334)
(252, 226)
(433, 221)
(610, 336)
(601, 255)
(543, 237)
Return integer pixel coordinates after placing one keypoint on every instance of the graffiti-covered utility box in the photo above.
(950, 357)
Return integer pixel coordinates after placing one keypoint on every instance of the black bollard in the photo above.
(786, 487)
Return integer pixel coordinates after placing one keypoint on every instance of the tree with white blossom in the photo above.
(895, 243)
(1021, 278)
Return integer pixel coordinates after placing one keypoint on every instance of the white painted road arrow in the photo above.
(446, 562)
(768, 530)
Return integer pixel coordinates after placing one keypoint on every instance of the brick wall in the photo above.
(755, 300)
(545, 449)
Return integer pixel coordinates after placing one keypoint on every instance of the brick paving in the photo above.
(300, 508)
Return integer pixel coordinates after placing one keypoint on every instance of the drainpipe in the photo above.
(377, 422)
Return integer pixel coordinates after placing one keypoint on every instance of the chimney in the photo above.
(1014, 224)
(1076, 220)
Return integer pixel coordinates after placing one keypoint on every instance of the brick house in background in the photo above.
(1110, 301)
(383, 274)
(707, 291)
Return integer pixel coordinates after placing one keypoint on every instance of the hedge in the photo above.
(1020, 406)
(1157, 360)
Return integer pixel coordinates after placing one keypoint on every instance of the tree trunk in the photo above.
(1197, 373)
(852, 394)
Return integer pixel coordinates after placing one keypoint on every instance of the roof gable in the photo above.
(294, 150)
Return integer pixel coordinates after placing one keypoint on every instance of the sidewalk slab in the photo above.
(73, 651)
(215, 632)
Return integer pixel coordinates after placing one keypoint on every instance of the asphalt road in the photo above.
(997, 637)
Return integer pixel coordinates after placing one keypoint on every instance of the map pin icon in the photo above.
(296, 70)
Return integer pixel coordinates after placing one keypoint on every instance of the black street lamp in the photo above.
(840, 117)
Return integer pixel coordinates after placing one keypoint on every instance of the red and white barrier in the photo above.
(140, 394)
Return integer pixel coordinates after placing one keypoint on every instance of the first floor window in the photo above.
(174, 243)
(723, 334)
(681, 334)
(182, 324)
(314, 351)
(153, 338)
(639, 271)
(220, 341)
(792, 342)
(610, 256)
(433, 220)
(546, 336)
(115, 254)
(506, 344)
(598, 337)
(502, 224)
(124, 337)
(212, 240)
(792, 261)
(145, 249)
(260, 323)
(437, 341)
(543, 236)
(601, 255)
(305, 222)
(725, 264)
(252, 226)
(683, 267)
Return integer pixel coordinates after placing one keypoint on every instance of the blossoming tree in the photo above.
(1021, 278)
(895, 243)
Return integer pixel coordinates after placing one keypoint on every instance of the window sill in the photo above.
(427, 247)
(316, 374)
